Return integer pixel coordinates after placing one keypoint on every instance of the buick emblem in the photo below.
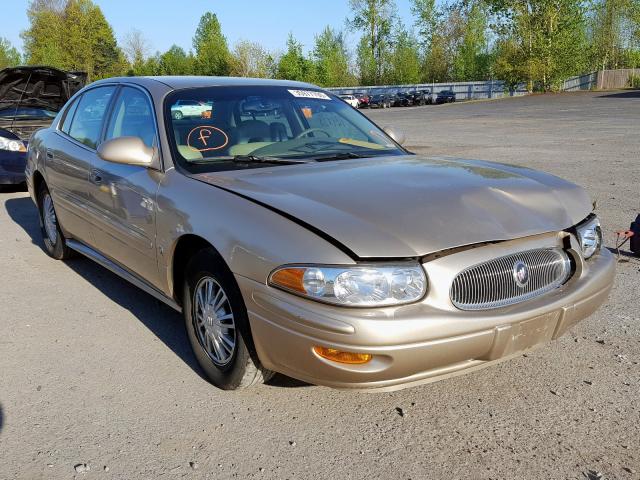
(521, 273)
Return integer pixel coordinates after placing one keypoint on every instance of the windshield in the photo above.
(216, 127)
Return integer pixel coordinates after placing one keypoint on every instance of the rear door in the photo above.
(125, 194)
(70, 153)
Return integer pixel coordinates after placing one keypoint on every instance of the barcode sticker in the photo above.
(310, 94)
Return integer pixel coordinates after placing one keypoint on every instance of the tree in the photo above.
(176, 61)
(615, 33)
(9, 55)
(427, 17)
(405, 59)
(331, 60)
(375, 19)
(72, 35)
(249, 59)
(136, 48)
(550, 37)
(212, 51)
(293, 65)
(44, 40)
(470, 56)
(90, 42)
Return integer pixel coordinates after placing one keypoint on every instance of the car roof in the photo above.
(180, 82)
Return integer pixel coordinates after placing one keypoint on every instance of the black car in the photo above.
(380, 100)
(404, 99)
(446, 96)
(30, 98)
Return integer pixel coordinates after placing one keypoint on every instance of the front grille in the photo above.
(495, 283)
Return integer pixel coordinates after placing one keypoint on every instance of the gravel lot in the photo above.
(92, 371)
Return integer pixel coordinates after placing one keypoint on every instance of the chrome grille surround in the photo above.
(493, 284)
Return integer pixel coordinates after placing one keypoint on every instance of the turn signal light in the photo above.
(343, 357)
(290, 278)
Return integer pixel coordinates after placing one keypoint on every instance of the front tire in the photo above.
(55, 243)
(177, 115)
(218, 326)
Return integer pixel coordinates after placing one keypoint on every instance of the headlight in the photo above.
(590, 237)
(361, 286)
(12, 145)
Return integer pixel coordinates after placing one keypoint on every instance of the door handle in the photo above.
(49, 153)
(95, 177)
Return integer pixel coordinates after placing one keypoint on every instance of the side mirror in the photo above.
(397, 135)
(127, 150)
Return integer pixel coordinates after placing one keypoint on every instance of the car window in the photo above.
(68, 116)
(132, 116)
(86, 125)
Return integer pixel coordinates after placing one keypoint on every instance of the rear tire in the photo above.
(55, 243)
(218, 325)
(177, 115)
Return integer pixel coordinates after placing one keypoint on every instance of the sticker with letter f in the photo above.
(204, 136)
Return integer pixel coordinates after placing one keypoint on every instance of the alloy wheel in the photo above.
(214, 321)
(49, 219)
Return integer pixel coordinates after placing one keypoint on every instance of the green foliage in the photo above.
(76, 37)
(615, 27)
(212, 52)
(427, 17)
(540, 42)
(634, 81)
(375, 19)
(176, 61)
(547, 39)
(366, 63)
(44, 40)
(331, 60)
(9, 55)
(405, 59)
(293, 65)
(470, 59)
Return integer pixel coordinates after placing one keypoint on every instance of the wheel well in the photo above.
(38, 181)
(187, 247)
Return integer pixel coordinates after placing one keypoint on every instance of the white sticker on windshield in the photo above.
(309, 94)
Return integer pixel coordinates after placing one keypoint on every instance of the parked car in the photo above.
(428, 96)
(446, 96)
(190, 108)
(351, 100)
(380, 100)
(403, 99)
(422, 97)
(30, 98)
(310, 242)
(363, 99)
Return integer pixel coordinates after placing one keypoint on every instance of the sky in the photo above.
(164, 23)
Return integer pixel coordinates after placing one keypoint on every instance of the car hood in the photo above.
(42, 87)
(409, 206)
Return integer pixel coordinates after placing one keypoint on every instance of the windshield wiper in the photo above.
(248, 159)
(337, 156)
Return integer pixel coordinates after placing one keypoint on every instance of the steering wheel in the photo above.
(311, 130)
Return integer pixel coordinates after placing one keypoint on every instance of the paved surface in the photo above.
(92, 371)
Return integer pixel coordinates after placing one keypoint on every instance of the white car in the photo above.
(351, 100)
(189, 108)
